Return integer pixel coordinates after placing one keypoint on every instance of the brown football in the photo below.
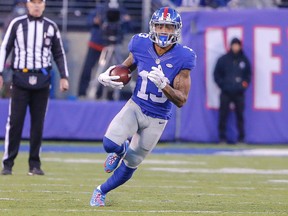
(123, 72)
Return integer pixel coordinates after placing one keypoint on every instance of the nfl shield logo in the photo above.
(32, 80)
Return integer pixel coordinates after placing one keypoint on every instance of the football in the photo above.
(123, 72)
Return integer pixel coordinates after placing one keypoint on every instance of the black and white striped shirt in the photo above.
(33, 41)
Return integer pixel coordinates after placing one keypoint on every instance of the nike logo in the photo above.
(161, 122)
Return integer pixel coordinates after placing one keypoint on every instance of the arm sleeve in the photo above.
(190, 62)
(59, 54)
(247, 75)
(90, 18)
(132, 50)
(217, 73)
(7, 44)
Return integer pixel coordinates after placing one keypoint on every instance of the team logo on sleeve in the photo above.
(242, 65)
(32, 80)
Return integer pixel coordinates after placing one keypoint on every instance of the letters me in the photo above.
(264, 63)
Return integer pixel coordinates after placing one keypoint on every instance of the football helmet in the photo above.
(170, 18)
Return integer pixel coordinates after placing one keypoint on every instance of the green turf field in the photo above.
(163, 185)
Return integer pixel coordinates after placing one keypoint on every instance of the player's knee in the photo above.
(109, 145)
(133, 159)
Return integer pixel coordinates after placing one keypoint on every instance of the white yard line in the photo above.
(96, 161)
(221, 171)
(68, 160)
(96, 209)
(8, 199)
(278, 181)
(255, 152)
(138, 211)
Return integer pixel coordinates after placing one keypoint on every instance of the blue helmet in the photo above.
(165, 16)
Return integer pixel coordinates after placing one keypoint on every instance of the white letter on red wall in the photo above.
(217, 43)
(265, 65)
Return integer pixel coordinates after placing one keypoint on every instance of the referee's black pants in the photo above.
(37, 101)
(238, 100)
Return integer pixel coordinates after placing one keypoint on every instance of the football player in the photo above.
(164, 68)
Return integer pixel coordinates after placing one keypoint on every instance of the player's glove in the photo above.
(107, 80)
(157, 77)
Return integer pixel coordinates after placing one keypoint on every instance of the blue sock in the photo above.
(119, 177)
(111, 147)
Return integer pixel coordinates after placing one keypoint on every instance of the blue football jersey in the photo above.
(152, 100)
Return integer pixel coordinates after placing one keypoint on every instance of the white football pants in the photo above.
(144, 130)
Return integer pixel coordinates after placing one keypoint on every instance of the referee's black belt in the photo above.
(25, 70)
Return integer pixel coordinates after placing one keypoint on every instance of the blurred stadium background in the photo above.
(262, 25)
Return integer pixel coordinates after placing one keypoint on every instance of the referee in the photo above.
(33, 39)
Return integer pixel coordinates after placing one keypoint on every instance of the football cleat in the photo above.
(113, 159)
(98, 198)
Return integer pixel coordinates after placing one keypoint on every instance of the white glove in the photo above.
(107, 80)
(157, 77)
